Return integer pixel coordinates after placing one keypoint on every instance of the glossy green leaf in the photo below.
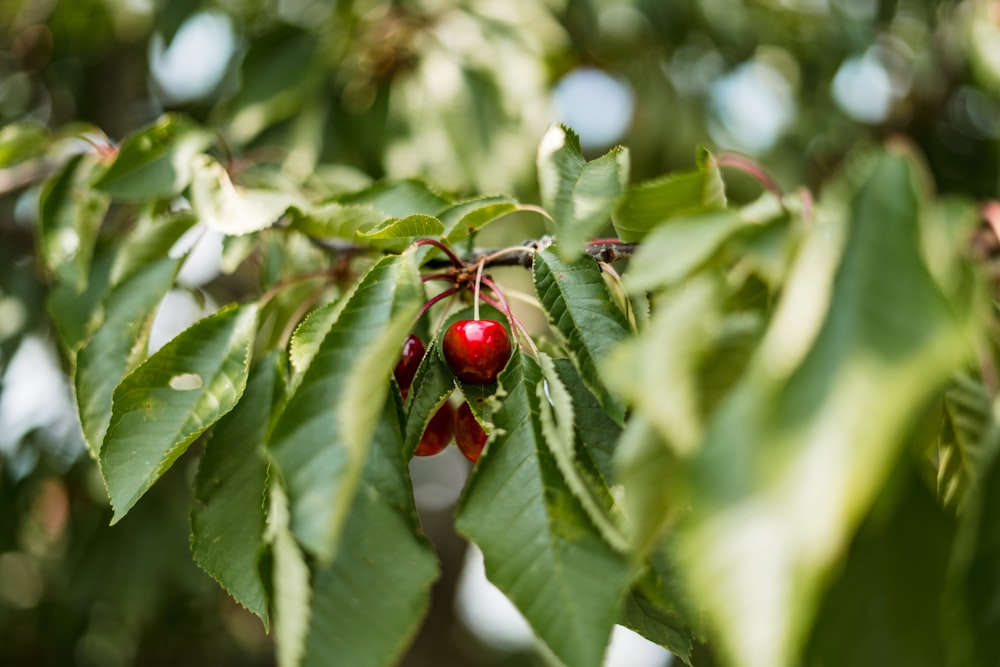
(233, 209)
(649, 204)
(466, 217)
(579, 307)
(579, 195)
(674, 250)
(797, 452)
(322, 438)
(108, 354)
(539, 545)
(69, 217)
(411, 226)
(155, 162)
(369, 602)
(228, 520)
(172, 398)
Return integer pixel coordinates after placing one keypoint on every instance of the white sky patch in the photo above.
(597, 105)
(196, 60)
(862, 88)
(752, 105)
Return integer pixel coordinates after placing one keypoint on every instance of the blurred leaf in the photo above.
(69, 217)
(411, 226)
(323, 436)
(75, 315)
(967, 444)
(464, 218)
(333, 220)
(579, 195)
(370, 601)
(649, 204)
(579, 307)
(232, 209)
(540, 547)
(228, 520)
(172, 398)
(398, 199)
(21, 141)
(674, 250)
(154, 235)
(887, 596)
(796, 453)
(291, 580)
(111, 351)
(155, 162)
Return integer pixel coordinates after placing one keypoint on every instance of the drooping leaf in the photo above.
(233, 209)
(368, 603)
(466, 217)
(411, 226)
(107, 356)
(228, 521)
(69, 217)
(579, 195)
(322, 438)
(675, 249)
(155, 162)
(172, 398)
(579, 307)
(796, 453)
(649, 204)
(539, 545)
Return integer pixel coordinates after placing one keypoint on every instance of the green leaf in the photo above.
(657, 607)
(309, 335)
(172, 398)
(369, 602)
(797, 452)
(334, 220)
(107, 355)
(69, 217)
(409, 227)
(233, 209)
(539, 545)
(76, 315)
(579, 306)
(21, 141)
(398, 199)
(464, 218)
(969, 442)
(649, 204)
(155, 162)
(432, 384)
(228, 520)
(673, 251)
(322, 438)
(579, 195)
(291, 579)
(155, 233)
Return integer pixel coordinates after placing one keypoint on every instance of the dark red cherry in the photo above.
(409, 360)
(469, 435)
(476, 350)
(437, 435)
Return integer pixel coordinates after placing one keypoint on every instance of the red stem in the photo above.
(440, 246)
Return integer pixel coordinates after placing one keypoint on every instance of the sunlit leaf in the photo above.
(153, 237)
(20, 141)
(233, 209)
(466, 217)
(323, 436)
(649, 204)
(539, 545)
(171, 398)
(228, 520)
(410, 227)
(579, 306)
(579, 195)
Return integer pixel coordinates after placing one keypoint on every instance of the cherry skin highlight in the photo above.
(437, 435)
(409, 360)
(469, 435)
(476, 350)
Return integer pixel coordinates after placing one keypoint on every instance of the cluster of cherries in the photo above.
(475, 351)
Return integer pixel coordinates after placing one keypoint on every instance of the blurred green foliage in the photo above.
(458, 93)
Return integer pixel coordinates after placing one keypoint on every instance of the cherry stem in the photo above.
(437, 276)
(442, 247)
(518, 327)
(531, 208)
(491, 258)
(510, 314)
(434, 299)
(475, 294)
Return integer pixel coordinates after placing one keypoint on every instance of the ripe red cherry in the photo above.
(409, 360)
(437, 435)
(476, 350)
(469, 435)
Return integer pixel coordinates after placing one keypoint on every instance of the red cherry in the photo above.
(476, 350)
(469, 435)
(437, 434)
(409, 360)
